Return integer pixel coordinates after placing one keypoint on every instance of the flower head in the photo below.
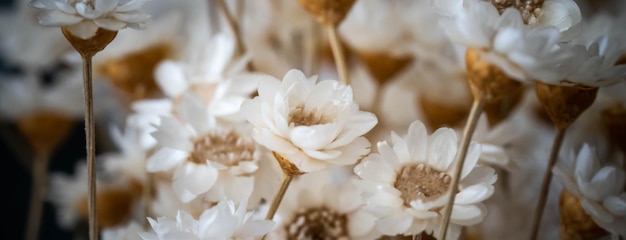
(405, 184)
(84, 17)
(600, 189)
(314, 125)
(222, 222)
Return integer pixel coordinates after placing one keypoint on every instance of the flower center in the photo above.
(299, 117)
(420, 181)
(530, 9)
(318, 223)
(133, 72)
(227, 149)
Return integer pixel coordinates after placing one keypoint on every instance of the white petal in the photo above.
(84, 29)
(394, 224)
(373, 168)
(165, 159)
(65, 7)
(131, 5)
(86, 11)
(132, 17)
(467, 215)
(109, 24)
(360, 223)
(473, 154)
(43, 4)
(105, 6)
(586, 163)
(596, 210)
(171, 78)
(474, 194)
(314, 137)
(194, 179)
(616, 205)
(442, 148)
(417, 139)
(57, 18)
(603, 180)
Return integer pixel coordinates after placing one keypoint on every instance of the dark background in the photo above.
(16, 177)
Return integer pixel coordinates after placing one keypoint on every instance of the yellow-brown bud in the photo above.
(575, 223)
(44, 131)
(487, 80)
(328, 12)
(384, 66)
(89, 47)
(565, 104)
(288, 168)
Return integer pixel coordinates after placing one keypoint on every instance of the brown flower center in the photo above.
(318, 223)
(227, 148)
(420, 181)
(299, 117)
(530, 9)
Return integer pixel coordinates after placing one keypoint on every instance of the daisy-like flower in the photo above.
(521, 52)
(316, 207)
(129, 232)
(405, 184)
(200, 151)
(84, 17)
(599, 188)
(314, 125)
(221, 222)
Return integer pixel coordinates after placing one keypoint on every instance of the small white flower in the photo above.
(314, 125)
(521, 52)
(316, 207)
(600, 189)
(405, 184)
(84, 17)
(199, 149)
(65, 194)
(222, 222)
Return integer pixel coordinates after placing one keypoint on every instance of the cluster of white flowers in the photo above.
(220, 112)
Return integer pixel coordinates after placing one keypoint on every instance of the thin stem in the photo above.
(340, 59)
(547, 179)
(90, 138)
(278, 197)
(232, 23)
(40, 177)
(470, 127)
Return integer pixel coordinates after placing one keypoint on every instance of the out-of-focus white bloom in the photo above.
(314, 125)
(521, 52)
(130, 162)
(84, 17)
(200, 149)
(599, 188)
(222, 222)
(129, 232)
(494, 140)
(66, 192)
(316, 207)
(405, 184)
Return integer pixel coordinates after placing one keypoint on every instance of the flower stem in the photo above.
(340, 59)
(547, 179)
(470, 127)
(279, 196)
(40, 178)
(232, 23)
(91, 146)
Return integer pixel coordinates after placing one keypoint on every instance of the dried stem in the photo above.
(470, 127)
(340, 59)
(90, 138)
(232, 23)
(279, 197)
(38, 190)
(547, 179)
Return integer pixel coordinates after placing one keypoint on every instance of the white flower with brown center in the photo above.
(405, 184)
(316, 207)
(199, 149)
(314, 125)
(600, 189)
(221, 222)
(85, 17)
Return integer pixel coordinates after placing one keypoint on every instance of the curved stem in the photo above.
(90, 138)
(38, 191)
(278, 197)
(470, 126)
(547, 179)
(340, 59)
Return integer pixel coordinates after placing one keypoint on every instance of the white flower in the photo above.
(84, 17)
(405, 184)
(129, 232)
(314, 125)
(130, 162)
(316, 207)
(198, 148)
(521, 52)
(600, 189)
(66, 192)
(222, 222)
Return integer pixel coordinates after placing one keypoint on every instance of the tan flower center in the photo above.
(318, 223)
(420, 181)
(299, 117)
(227, 149)
(133, 73)
(530, 9)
